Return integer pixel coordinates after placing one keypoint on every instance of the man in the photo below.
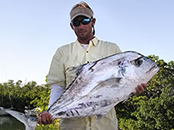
(86, 48)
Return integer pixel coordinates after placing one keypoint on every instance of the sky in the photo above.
(32, 30)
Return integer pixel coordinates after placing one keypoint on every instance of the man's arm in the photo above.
(56, 92)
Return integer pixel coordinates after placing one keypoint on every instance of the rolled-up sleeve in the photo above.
(56, 73)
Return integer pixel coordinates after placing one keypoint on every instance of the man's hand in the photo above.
(45, 118)
(140, 88)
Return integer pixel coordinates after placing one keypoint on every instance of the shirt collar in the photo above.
(93, 41)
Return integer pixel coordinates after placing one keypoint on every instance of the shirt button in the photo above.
(86, 51)
(87, 61)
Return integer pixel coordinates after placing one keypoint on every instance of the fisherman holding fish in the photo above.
(85, 49)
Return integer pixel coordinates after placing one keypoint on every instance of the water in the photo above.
(8, 122)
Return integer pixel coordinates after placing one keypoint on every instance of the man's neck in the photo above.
(86, 41)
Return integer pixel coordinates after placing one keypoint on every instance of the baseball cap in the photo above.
(81, 9)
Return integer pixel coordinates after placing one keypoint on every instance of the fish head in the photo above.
(139, 68)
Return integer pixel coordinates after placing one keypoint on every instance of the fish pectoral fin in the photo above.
(116, 80)
(113, 82)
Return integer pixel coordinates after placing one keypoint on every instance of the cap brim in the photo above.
(80, 14)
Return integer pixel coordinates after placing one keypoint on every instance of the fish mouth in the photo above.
(153, 68)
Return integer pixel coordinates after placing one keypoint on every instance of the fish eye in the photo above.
(138, 62)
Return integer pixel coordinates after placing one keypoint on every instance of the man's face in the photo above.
(82, 27)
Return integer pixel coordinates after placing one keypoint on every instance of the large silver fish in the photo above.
(102, 84)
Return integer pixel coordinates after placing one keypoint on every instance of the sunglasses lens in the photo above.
(76, 23)
(84, 21)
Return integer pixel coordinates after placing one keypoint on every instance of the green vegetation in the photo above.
(19, 96)
(151, 110)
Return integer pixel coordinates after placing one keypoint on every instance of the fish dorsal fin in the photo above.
(74, 72)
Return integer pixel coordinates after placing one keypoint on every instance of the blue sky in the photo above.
(32, 30)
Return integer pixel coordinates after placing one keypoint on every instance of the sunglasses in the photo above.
(84, 21)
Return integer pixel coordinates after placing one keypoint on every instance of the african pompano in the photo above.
(102, 84)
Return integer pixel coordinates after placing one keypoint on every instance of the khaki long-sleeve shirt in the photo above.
(72, 55)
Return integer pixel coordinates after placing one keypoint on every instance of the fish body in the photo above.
(102, 84)
(99, 86)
